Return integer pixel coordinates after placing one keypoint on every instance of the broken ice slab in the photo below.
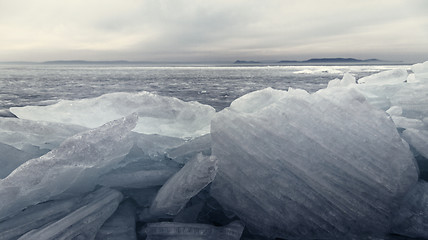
(310, 166)
(395, 76)
(417, 139)
(190, 149)
(161, 115)
(121, 225)
(36, 216)
(177, 191)
(189, 231)
(22, 133)
(411, 219)
(82, 223)
(72, 168)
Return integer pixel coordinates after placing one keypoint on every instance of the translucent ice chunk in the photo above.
(418, 139)
(22, 133)
(72, 167)
(187, 231)
(82, 223)
(190, 149)
(320, 165)
(177, 191)
(411, 219)
(166, 116)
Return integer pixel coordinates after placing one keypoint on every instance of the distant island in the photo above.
(331, 60)
(316, 61)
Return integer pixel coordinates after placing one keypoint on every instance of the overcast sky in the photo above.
(202, 30)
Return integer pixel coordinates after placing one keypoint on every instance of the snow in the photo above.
(337, 165)
(157, 114)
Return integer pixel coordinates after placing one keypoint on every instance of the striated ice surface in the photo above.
(411, 219)
(84, 222)
(177, 191)
(36, 216)
(71, 168)
(190, 149)
(308, 166)
(187, 231)
(121, 225)
(157, 114)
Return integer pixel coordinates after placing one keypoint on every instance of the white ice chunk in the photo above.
(177, 191)
(82, 223)
(403, 122)
(386, 77)
(411, 78)
(188, 231)
(121, 225)
(411, 218)
(418, 139)
(334, 83)
(320, 165)
(421, 71)
(72, 167)
(395, 111)
(347, 80)
(166, 116)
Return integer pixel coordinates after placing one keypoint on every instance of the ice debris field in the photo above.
(347, 162)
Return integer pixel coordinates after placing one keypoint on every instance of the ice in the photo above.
(385, 78)
(22, 134)
(411, 218)
(157, 114)
(418, 139)
(187, 231)
(72, 168)
(11, 158)
(177, 191)
(190, 149)
(121, 225)
(84, 222)
(35, 217)
(307, 166)
(421, 71)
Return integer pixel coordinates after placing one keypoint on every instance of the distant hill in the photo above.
(332, 60)
(245, 62)
(87, 62)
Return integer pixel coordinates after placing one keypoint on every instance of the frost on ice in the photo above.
(314, 165)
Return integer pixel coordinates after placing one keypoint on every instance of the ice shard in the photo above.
(71, 169)
(177, 191)
(188, 231)
(84, 222)
(308, 166)
(11, 158)
(161, 115)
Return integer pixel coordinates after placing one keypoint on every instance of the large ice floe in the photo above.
(346, 162)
